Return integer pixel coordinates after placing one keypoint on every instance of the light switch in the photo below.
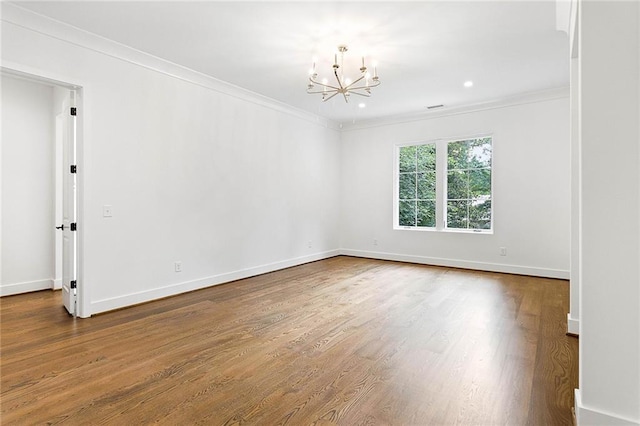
(107, 211)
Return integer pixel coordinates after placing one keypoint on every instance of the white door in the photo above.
(69, 240)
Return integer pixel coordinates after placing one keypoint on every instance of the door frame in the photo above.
(71, 83)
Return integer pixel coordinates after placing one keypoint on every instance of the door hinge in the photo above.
(73, 168)
(73, 226)
(74, 111)
(73, 284)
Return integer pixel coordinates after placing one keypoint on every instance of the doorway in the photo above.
(40, 191)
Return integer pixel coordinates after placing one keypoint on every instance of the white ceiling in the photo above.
(425, 50)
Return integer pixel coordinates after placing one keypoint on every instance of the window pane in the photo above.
(407, 186)
(407, 161)
(426, 156)
(427, 213)
(480, 214)
(480, 152)
(457, 155)
(457, 214)
(458, 185)
(427, 186)
(473, 153)
(479, 182)
(407, 213)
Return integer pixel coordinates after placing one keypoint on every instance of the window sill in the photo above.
(469, 231)
(448, 231)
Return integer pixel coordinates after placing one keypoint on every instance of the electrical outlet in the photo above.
(503, 251)
(310, 244)
(375, 242)
(178, 266)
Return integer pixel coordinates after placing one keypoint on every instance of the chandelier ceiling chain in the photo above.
(344, 86)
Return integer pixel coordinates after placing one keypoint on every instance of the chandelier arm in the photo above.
(328, 86)
(368, 95)
(351, 84)
(370, 86)
(321, 91)
(325, 100)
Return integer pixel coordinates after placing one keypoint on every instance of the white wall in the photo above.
(531, 191)
(27, 186)
(230, 185)
(610, 237)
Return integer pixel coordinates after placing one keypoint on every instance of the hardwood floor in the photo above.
(341, 341)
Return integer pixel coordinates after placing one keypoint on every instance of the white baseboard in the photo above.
(587, 416)
(25, 287)
(56, 284)
(465, 264)
(183, 287)
(573, 325)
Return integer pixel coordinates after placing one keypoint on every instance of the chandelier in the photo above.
(345, 86)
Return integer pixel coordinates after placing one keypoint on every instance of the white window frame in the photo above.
(441, 185)
(396, 187)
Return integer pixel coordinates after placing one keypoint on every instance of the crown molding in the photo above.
(522, 99)
(13, 14)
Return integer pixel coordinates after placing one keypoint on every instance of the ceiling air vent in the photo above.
(435, 106)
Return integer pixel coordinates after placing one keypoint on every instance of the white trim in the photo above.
(29, 20)
(464, 264)
(573, 29)
(588, 416)
(441, 170)
(573, 325)
(46, 77)
(83, 121)
(56, 284)
(32, 74)
(522, 99)
(25, 287)
(183, 287)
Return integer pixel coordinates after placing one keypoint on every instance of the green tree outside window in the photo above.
(467, 202)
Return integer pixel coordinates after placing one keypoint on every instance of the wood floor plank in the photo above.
(342, 341)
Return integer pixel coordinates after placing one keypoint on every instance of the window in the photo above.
(444, 185)
(417, 185)
(469, 184)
